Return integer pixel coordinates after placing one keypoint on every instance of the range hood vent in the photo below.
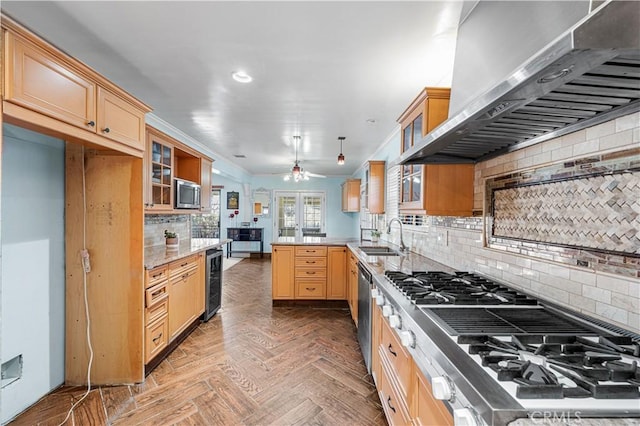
(589, 75)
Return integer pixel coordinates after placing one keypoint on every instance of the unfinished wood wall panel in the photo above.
(115, 285)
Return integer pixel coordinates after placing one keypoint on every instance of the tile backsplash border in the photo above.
(559, 247)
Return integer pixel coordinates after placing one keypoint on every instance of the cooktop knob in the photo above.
(465, 417)
(395, 321)
(408, 339)
(379, 300)
(374, 293)
(442, 388)
(387, 310)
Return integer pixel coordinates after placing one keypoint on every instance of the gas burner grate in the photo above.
(505, 321)
(461, 288)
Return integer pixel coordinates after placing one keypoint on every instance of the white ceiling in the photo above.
(320, 69)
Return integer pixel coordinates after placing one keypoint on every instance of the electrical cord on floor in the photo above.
(86, 268)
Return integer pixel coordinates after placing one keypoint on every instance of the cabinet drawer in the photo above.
(394, 405)
(156, 336)
(156, 275)
(311, 251)
(156, 311)
(311, 289)
(311, 272)
(155, 294)
(180, 267)
(311, 262)
(397, 356)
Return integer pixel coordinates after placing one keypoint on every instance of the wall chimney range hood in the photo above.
(588, 75)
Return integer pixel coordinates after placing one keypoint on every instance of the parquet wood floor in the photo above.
(251, 364)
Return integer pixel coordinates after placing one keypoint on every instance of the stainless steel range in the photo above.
(494, 354)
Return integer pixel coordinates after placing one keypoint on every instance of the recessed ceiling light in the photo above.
(241, 77)
(239, 155)
(371, 120)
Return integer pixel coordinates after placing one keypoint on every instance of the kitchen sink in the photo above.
(379, 251)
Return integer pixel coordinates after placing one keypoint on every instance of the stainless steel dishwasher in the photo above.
(364, 313)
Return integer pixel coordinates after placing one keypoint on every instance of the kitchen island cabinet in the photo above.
(283, 273)
(309, 268)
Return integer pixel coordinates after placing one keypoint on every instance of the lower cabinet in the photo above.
(352, 286)
(282, 272)
(183, 290)
(174, 299)
(405, 393)
(309, 272)
(337, 273)
(393, 403)
(425, 409)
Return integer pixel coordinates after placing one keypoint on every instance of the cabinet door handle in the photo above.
(159, 274)
(391, 350)
(185, 276)
(155, 339)
(389, 404)
(311, 261)
(91, 123)
(106, 130)
(184, 264)
(311, 273)
(310, 289)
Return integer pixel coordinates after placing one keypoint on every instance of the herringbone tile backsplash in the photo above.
(594, 212)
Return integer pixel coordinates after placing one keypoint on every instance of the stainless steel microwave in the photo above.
(187, 194)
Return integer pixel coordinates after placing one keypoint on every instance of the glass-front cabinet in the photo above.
(412, 174)
(161, 164)
(433, 189)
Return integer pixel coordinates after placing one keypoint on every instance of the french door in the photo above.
(299, 213)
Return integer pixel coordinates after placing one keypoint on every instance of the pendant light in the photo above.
(341, 156)
(296, 167)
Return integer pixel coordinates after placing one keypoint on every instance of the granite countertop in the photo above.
(407, 262)
(159, 255)
(312, 241)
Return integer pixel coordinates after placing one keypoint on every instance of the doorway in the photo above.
(300, 213)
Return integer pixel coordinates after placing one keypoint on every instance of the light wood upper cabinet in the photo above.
(38, 81)
(351, 196)
(158, 172)
(442, 189)
(119, 120)
(374, 187)
(282, 272)
(47, 89)
(205, 182)
(165, 159)
(337, 273)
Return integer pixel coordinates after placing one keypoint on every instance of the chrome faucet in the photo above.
(402, 246)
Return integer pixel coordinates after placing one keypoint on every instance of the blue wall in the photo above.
(33, 257)
(338, 224)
